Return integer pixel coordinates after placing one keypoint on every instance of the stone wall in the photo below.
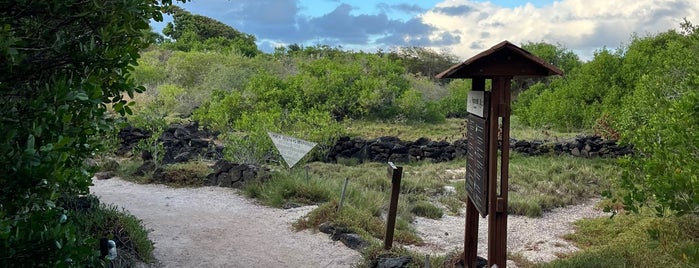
(392, 149)
(227, 174)
(181, 142)
(587, 146)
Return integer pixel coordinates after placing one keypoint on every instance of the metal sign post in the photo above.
(487, 192)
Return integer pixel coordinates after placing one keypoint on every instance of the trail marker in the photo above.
(291, 149)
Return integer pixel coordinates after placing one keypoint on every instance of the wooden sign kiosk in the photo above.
(486, 191)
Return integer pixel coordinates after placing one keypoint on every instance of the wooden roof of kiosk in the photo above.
(503, 59)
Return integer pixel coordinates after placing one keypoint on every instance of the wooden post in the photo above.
(471, 232)
(497, 202)
(308, 178)
(396, 173)
(342, 196)
(471, 235)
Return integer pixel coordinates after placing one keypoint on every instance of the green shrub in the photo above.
(63, 65)
(454, 105)
(107, 221)
(660, 118)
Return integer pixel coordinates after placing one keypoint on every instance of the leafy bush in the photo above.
(63, 64)
(454, 105)
(660, 117)
(415, 109)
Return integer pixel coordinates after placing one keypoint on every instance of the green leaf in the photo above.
(30, 143)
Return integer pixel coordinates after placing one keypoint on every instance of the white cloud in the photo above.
(580, 25)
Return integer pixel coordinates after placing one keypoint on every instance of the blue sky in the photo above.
(461, 27)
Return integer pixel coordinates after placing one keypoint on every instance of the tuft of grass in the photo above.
(427, 210)
(187, 174)
(452, 203)
(127, 168)
(370, 227)
(290, 190)
(125, 229)
(634, 240)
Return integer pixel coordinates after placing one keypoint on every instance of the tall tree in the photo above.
(63, 63)
(558, 55)
(425, 61)
(198, 28)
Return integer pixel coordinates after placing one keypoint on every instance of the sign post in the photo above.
(489, 116)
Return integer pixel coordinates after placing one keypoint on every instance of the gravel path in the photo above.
(216, 227)
(537, 239)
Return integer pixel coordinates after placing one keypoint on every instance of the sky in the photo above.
(461, 27)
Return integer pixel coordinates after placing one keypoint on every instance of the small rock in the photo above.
(575, 152)
(104, 175)
(326, 227)
(353, 241)
(398, 262)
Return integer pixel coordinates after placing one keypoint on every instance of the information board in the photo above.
(477, 163)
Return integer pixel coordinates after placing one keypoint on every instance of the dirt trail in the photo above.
(216, 227)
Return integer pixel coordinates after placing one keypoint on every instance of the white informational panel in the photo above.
(291, 149)
(477, 103)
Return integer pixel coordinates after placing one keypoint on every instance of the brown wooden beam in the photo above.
(471, 232)
(497, 220)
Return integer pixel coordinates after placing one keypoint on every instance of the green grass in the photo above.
(522, 132)
(192, 173)
(427, 210)
(127, 168)
(187, 174)
(290, 190)
(452, 129)
(449, 130)
(634, 241)
(538, 184)
(125, 229)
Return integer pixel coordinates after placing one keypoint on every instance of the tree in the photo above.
(196, 28)
(64, 62)
(558, 55)
(423, 61)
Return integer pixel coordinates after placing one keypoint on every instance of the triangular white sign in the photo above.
(291, 149)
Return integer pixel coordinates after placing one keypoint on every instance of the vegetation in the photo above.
(196, 32)
(61, 92)
(634, 241)
(63, 64)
